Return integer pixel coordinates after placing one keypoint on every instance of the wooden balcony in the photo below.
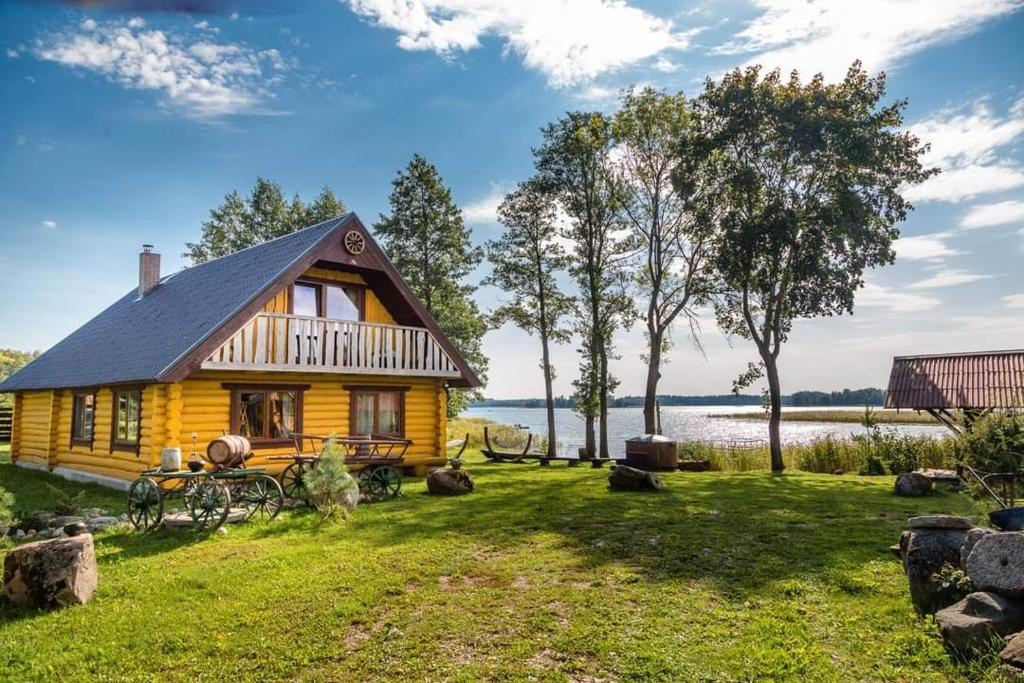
(293, 343)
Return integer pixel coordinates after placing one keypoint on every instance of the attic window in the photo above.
(332, 300)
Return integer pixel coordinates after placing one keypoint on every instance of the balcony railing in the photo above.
(280, 342)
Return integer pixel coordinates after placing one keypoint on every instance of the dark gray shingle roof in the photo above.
(137, 339)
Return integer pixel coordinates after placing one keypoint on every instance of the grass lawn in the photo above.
(541, 574)
(845, 416)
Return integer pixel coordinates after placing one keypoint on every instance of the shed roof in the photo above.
(166, 333)
(985, 379)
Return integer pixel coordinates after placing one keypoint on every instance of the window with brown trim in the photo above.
(377, 410)
(327, 299)
(83, 418)
(126, 422)
(267, 415)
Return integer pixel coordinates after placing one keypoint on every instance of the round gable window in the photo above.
(354, 242)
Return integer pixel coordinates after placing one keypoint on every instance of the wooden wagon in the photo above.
(377, 458)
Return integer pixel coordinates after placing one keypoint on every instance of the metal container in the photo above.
(652, 452)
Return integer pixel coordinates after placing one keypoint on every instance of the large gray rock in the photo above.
(449, 482)
(927, 550)
(48, 574)
(623, 478)
(977, 622)
(913, 484)
(970, 540)
(997, 564)
(940, 522)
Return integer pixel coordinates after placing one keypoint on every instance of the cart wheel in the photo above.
(293, 482)
(367, 484)
(386, 481)
(262, 497)
(209, 505)
(145, 504)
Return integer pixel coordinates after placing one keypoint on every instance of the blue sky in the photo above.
(123, 125)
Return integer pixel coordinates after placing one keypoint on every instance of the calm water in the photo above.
(683, 423)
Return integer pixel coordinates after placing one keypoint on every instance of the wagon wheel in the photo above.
(367, 484)
(145, 504)
(386, 481)
(293, 481)
(209, 505)
(262, 497)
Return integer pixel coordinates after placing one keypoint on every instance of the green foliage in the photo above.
(66, 503)
(807, 196)
(952, 582)
(12, 360)
(7, 516)
(265, 214)
(995, 443)
(429, 243)
(329, 483)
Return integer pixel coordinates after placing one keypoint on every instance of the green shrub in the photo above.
(7, 516)
(995, 443)
(331, 488)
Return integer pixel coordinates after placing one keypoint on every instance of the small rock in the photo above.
(76, 529)
(101, 523)
(450, 482)
(221, 531)
(30, 533)
(36, 520)
(913, 484)
(973, 536)
(997, 563)
(940, 522)
(973, 624)
(63, 520)
(838, 472)
(624, 478)
(19, 533)
(48, 574)
(1013, 653)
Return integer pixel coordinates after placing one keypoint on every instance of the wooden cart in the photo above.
(377, 457)
(208, 498)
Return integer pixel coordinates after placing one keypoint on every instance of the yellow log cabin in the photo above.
(311, 333)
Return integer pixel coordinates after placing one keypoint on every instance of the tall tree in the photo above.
(427, 240)
(810, 197)
(574, 163)
(668, 221)
(12, 360)
(525, 261)
(241, 222)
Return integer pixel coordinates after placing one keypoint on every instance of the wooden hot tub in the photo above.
(652, 452)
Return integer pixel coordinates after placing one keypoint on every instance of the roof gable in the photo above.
(166, 334)
(993, 379)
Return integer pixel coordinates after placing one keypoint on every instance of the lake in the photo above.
(682, 423)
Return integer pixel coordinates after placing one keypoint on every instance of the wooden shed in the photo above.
(957, 388)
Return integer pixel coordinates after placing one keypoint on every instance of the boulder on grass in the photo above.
(49, 574)
(1013, 653)
(996, 563)
(975, 624)
(623, 478)
(913, 484)
(927, 550)
(449, 482)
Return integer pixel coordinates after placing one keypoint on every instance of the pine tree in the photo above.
(428, 242)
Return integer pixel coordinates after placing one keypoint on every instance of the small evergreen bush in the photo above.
(331, 488)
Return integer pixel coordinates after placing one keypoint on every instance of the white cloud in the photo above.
(827, 35)
(949, 278)
(1000, 213)
(877, 296)
(665, 66)
(930, 247)
(206, 26)
(485, 210)
(139, 22)
(1014, 300)
(13, 54)
(569, 41)
(49, 225)
(201, 78)
(966, 145)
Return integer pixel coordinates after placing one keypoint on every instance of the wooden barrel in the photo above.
(229, 450)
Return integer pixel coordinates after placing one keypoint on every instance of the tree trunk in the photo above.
(602, 447)
(653, 375)
(588, 431)
(548, 396)
(775, 417)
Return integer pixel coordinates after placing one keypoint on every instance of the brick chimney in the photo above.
(149, 269)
